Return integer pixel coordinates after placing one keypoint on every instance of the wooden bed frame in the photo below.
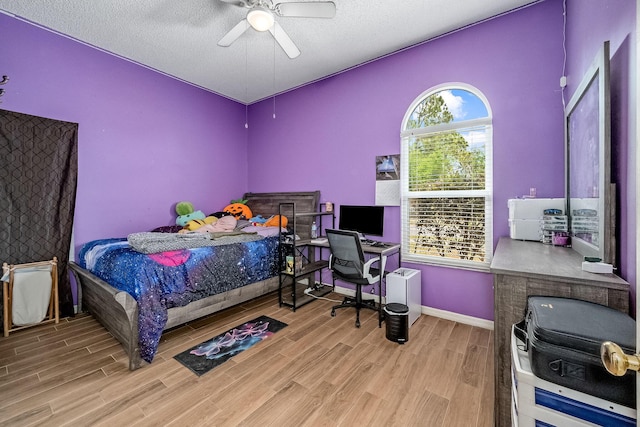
(117, 311)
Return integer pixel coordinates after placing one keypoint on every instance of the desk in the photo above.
(388, 249)
(521, 269)
(382, 253)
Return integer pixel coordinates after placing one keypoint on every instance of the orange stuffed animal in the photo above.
(238, 210)
(274, 221)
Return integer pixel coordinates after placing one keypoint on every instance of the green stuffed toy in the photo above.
(186, 213)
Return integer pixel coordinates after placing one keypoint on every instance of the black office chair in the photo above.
(347, 264)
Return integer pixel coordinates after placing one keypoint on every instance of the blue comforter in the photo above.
(169, 279)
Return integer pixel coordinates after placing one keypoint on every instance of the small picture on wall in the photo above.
(388, 167)
(388, 180)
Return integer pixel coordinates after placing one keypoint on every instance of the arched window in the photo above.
(446, 178)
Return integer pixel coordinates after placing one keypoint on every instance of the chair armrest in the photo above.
(367, 266)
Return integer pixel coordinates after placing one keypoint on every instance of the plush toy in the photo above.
(239, 210)
(186, 213)
(257, 220)
(194, 224)
(276, 221)
(226, 223)
(184, 208)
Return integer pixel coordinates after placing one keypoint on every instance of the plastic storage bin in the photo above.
(404, 286)
(397, 321)
(525, 216)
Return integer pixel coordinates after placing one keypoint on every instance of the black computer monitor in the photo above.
(366, 220)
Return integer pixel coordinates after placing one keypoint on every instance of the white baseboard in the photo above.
(443, 314)
(460, 318)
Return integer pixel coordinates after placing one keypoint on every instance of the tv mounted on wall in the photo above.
(366, 220)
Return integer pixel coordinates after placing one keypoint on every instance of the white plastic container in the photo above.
(533, 208)
(404, 286)
(525, 229)
(525, 216)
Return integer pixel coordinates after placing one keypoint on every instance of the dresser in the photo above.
(521, 269)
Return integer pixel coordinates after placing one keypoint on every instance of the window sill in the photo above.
(449, 263)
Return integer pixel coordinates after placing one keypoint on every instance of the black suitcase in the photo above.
(564, 335)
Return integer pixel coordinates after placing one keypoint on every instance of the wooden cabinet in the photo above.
(523, 268)
(306, 257)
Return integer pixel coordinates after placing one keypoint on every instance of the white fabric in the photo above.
(92, 255)
(31, 295)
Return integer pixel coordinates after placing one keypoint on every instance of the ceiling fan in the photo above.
(261, 18)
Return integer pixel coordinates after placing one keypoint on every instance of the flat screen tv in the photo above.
(366, 220)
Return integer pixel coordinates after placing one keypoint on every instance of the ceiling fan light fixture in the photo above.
(260, 18)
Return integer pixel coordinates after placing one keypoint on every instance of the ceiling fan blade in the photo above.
(243, 3)
(234, 33)
(312, 9)
(284, 41)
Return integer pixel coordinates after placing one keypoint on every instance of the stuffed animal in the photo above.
(239, 210)
(226, 223)
(219, 214)
(276, 221)
(194, 224)
(257, 220)
(186, 213)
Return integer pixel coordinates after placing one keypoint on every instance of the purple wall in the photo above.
(146, 141)
(326, 135)
(589, 24)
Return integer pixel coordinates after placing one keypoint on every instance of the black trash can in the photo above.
(397, 320)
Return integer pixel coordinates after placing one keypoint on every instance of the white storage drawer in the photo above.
(525, 229)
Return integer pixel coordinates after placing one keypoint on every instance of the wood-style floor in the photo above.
(318, 371)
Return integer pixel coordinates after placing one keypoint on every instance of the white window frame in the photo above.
(405, 136)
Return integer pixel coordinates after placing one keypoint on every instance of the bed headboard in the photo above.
(267, 204)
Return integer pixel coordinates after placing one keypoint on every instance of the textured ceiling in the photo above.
(180, 38)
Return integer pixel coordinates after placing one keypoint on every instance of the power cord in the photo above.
(308, 291)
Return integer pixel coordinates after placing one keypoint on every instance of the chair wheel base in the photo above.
(333, 313)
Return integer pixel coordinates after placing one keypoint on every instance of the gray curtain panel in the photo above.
(38, 176)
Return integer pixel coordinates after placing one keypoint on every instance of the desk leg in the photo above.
(380, 313)
(381, 264)
(380, 301)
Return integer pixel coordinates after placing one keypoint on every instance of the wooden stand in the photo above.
(7, 292)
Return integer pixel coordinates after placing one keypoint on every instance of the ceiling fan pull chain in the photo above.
(246, 85)
(274, 78)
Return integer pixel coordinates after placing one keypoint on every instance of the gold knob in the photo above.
(616, 361)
